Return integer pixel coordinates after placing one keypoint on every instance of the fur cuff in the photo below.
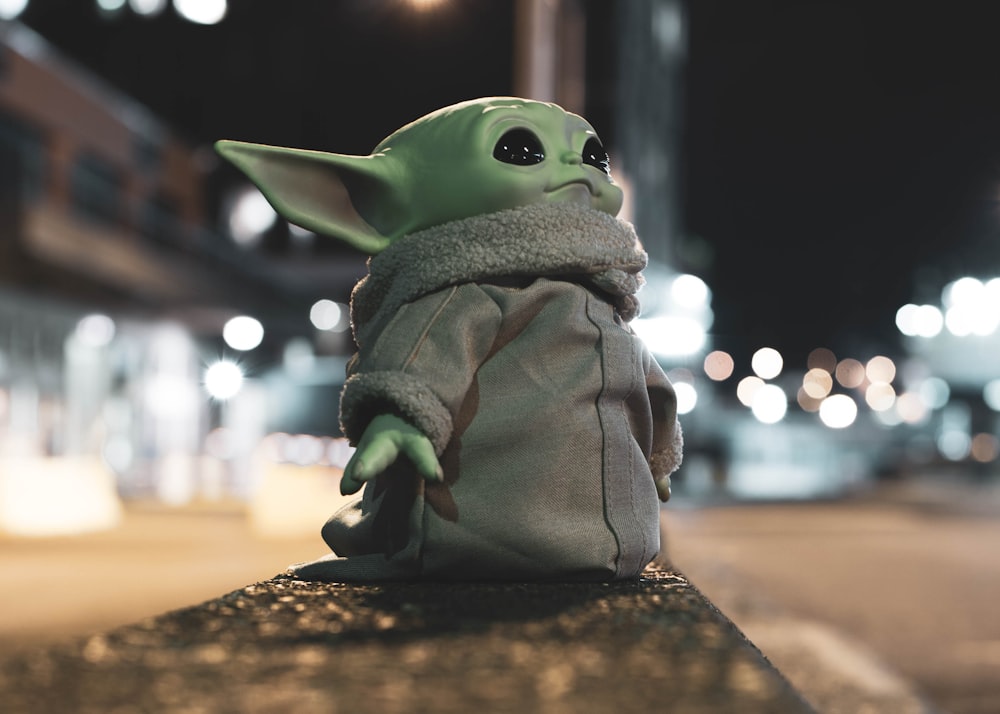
(665, 462)
(367, 395)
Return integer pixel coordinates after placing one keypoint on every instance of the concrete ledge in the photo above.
(287, 645)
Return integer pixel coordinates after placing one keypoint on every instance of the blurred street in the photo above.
(911, 574)
(908, 575)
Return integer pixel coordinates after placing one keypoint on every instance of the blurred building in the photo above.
(116, 290)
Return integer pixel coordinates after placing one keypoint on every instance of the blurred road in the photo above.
(910, 578)
(158, 559)
(912, 574)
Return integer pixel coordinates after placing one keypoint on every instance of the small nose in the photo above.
(571, 157)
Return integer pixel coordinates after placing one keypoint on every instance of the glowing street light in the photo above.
(243, 333)
(9, 9)
(223, 380)
(201, 12)
(838, 411)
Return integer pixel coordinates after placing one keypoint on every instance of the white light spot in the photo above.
(954, 445)
(326, 314)
(170, 396)
(223, 380)
(250, 216)
(687, 397)
(817, 383)
(928, 321)
(147, 8)
(880, 369)
(95, 330)
(838, 411)
(110, 5)
(9, 9)
(767, 363)
(911, 408)
(201, 12)
(671, 336)
(880, 396)
(964, 291)
(243, 333)
(690, 291)
(934, 392)
(770, 403)
(991, 395)
(906, 319)
(747, 389)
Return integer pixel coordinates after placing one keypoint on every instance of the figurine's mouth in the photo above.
(581, 192)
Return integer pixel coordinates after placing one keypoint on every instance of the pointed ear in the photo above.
(346, 197)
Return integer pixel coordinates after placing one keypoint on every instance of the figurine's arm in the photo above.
(408, 383)
(385, 439)
(668, 440)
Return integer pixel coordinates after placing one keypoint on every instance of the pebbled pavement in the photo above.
(286, 645)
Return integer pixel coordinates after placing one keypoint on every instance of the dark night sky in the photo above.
(839, 158)
(842, 159)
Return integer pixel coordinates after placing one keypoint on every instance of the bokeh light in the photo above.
(690, 291)
(223, 380)
(201, 12)
(747, 388)
(770, 403)
(95, 330)
(920, 320)
(880, 396)
(934, 392)
(850, 373)
(687, 397)
(806, 402)
(822, 358)
(9, 9)
(838, 411)
(250, 216)
(326, 315)
(911, 408)
(991, 394)
(880, 369)
(671, 335)
(972, 307)
(767, 363)
(147, 8)
(817, 383)
(984, 448)
(243, 333)
(954, 444)
(718, 365)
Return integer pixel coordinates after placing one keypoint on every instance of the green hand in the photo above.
(387, 437)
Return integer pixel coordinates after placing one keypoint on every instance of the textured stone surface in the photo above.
(289, 645)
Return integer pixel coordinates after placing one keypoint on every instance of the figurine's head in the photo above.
(468, 159)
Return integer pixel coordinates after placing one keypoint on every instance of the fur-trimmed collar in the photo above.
(545, 239)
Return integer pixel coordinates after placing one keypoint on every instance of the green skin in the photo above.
(436, 169)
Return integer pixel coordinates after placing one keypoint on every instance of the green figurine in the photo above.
(508, 423)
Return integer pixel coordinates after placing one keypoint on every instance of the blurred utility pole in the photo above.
(550, 52)
(652, 47)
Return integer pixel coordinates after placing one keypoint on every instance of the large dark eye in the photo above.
(519, 147)
(595, 155)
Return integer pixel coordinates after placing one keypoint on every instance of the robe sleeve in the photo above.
(668, 441)
(422, 364)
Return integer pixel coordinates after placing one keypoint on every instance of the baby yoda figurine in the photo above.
(508, 422)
